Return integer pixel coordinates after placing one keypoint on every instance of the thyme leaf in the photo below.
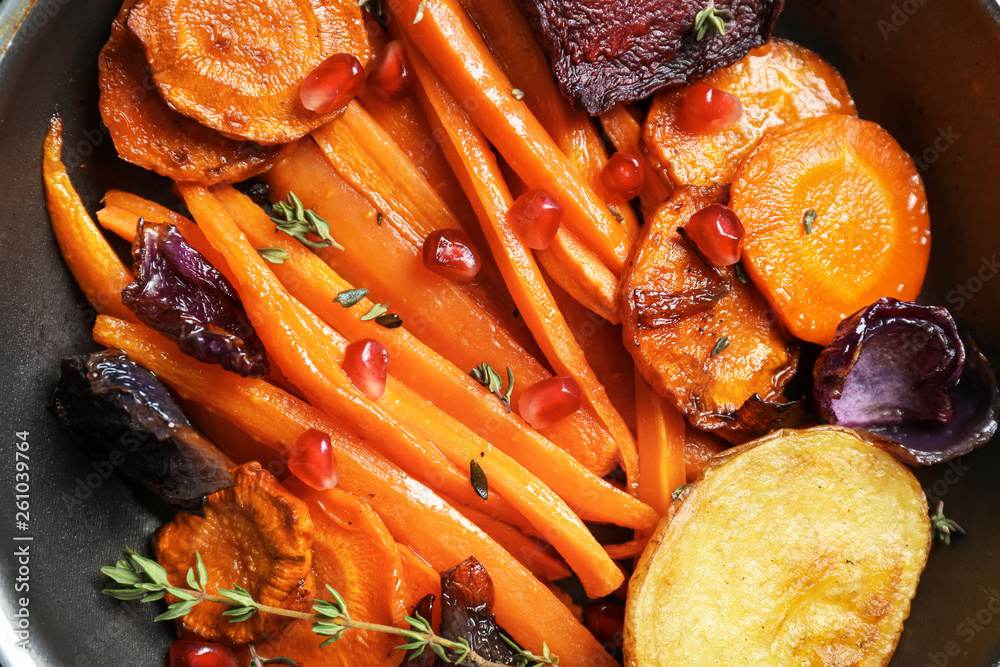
(712, 19)
(720, 345)
(298, 222)
(478, 478)
(942, 528)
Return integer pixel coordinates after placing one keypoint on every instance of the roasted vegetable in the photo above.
(836, 217)
(255, 535)
(467, 611)
(608, 51)
(802, 548)
(779, 82)
(699, 336)
(238, 67)
(902, 372)
(178, 293)
(147, 132)
(124, 418)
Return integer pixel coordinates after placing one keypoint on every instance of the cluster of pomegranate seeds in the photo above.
(623, 176)
(606, 621)
(200, 654)
(313, 462)
(549, 401)
(536, 216)
(717, 233)
(392, 77)
(366, 363)
(706, 109)
(451, 253)
(333, 84)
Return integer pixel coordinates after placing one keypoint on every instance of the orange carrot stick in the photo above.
(310, 354)
(662, 442)
(96, 267)
(448, 38)
(479, 174)
(414, 514)
(578, 271)
(626, 135)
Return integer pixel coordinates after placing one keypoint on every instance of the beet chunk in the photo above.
(178, 293)
(605, 52)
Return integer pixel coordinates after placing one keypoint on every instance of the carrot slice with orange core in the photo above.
(96, 267)
(661, 439)
(229, 67)
(836, 218)
(779, 82)
(148, 133)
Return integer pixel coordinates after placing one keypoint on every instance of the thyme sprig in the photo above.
(942, 528)
(488, 376)
(298, 222)
(712, 19)
(146, 580)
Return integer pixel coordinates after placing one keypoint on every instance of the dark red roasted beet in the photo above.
(178, 293)
(125, 419)
(902, 372)
(605, 52)
(425, 610)
(467, 611)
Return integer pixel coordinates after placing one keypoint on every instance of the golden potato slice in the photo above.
(801, 548)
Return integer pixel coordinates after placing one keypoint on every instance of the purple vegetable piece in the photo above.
(178, 293)
(902, 372)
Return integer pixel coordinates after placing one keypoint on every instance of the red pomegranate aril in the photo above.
(333, 84)
(312, 460)
(366, 363)
(706, 109)
(606, 621)
(623, 176)
(536, 216)
(392, 77)
(718, 234)
(200, 654)
(451, 253)
(549, 401)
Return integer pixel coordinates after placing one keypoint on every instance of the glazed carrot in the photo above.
(479, 174)
(413, 513)
(836, 217)
(701, 446)
(578, 271)
(450, 41)
(96, 267)
(311, 281)
(419, 578)
(539, 560)
(661, 440)
(434, 310)
(400, 422)
(626, 134)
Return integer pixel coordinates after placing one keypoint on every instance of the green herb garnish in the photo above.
(351, 297)
(808, 220)
(298, 222)
(679, 491)
(420, 12)
(389, 321)
(488, 376)
(712, 19)
(942, 528)
(478, 478)
(740, 272)
(720, 345)
(273, 255)
(517, 93)
(618, 216)
(378, 218)
(378, 310)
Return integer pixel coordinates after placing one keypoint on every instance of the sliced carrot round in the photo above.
(148, 133)
(836, 218)
(779, 82)
(238, 67)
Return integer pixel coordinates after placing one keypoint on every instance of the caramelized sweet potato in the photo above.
(148, 133)
(779, 82)
(700, 337)
(238, 67)
(256, 535)
(608, 51)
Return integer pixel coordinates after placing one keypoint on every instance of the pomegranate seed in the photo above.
(200, 654)
(536, 216)
(706, 109)
(605, 620)
(623, 176)
(450, 253)
(392, 77)
(549, 401)
(366, 363)
(718, 234)
(313, 462)
(333, 84)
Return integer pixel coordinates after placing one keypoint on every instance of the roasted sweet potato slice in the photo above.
(148, 133)
(802, 548)
(608, 51)
(256, 535)
(237, 67)
(779, 82)
(699, 336)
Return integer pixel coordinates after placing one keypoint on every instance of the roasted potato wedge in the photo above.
(801, 548)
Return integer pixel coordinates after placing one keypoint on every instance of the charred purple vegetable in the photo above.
(605, 52)
(467, 611)
(120, 414)
(178, 293)
(904, 373)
